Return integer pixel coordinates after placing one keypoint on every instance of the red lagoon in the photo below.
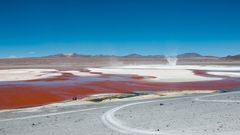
(44, 91)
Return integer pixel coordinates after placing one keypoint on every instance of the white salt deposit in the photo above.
(27, 74)
(160, 74)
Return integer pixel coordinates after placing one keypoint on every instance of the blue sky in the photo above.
(42, 27)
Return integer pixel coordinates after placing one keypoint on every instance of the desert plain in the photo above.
(109, 95)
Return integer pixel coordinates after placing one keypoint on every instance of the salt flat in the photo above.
(79, 73)
(34, 74)
(190, 113)
(164, 73)
(27, 74)
(160, 73)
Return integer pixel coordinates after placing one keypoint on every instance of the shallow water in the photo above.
(50, 90)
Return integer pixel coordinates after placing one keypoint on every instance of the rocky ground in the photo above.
(194, 114)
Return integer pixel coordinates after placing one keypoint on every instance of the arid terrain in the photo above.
(77, 62)
(119, 95)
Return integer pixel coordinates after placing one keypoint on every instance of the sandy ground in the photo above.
(34, 74)
(78, 73)
(229, 74)
(27, 74)
(214, 114)
(159, 73)
(163, 73)
(190, 67)
(85, 62)
(194, 114)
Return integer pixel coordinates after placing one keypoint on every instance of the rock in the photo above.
(35, 124)
(74, 98)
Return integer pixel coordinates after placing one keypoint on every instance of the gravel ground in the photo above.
(196, 114)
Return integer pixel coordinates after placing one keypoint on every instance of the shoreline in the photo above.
(84, 83)
(112, 97)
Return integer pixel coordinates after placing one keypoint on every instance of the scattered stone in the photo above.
(74, 98)
(2, 130)
(56, 118)
(76, 121)
(221, 126)
(35, 124)
(158, 130)
(161, 104)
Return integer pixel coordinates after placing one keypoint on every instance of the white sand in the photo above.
(229, 74)
(191, 67)
(27, 74)
(79, 73)
(33, 74)
(161, 75)
(166, 73)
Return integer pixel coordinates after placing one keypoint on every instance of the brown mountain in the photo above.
(189, 55)
(232, 57)
(67, 55)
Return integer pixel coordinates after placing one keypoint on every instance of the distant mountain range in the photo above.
(189, 55)
(67, 55)
(234, 57)
(135, 55)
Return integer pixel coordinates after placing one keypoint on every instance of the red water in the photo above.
(45, 91)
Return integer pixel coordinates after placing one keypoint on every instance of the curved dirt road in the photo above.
(208, 114)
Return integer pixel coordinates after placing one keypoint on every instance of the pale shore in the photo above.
(79, 73)
(163, 73)
(158, 75)
(34, 74)
(27, 74)
(113, 97)
(109, 97)
(229, 74)
(189, 67)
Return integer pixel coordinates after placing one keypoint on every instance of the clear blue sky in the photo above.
(42, 27)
